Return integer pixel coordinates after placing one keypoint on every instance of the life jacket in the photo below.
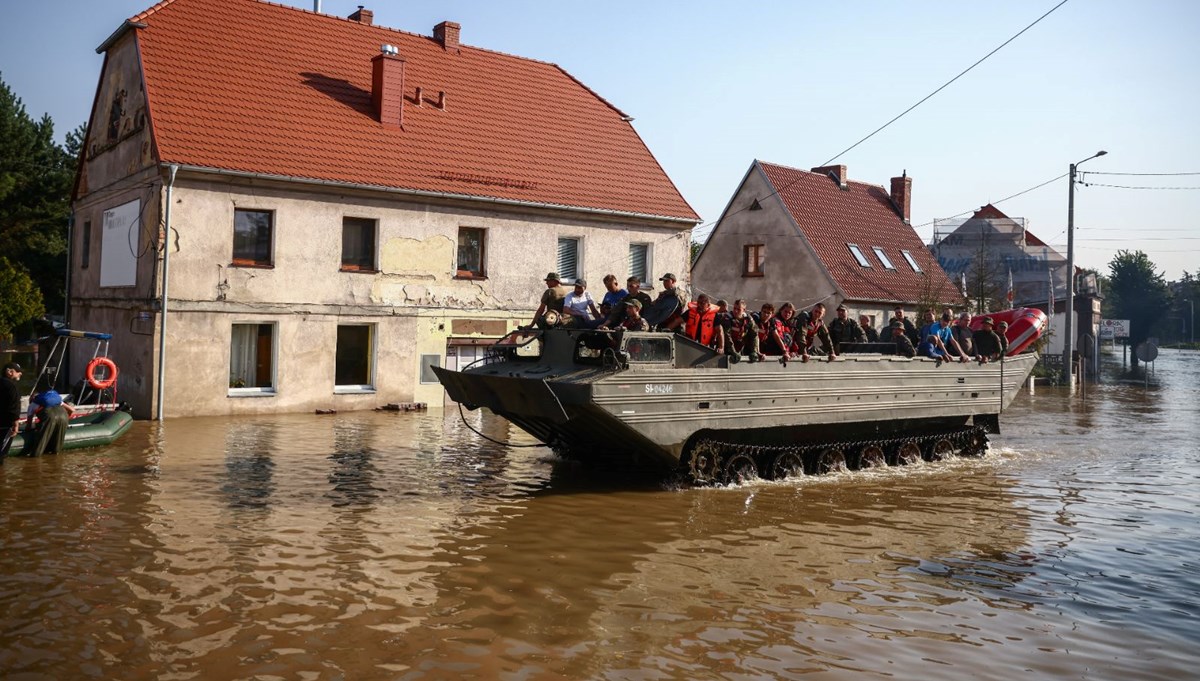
(700, 325)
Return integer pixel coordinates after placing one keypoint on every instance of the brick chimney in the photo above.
(446, 33)
(839, 171)
(902, 196)
(363, 16)
(387, 86)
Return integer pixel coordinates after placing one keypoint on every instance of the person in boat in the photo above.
(945, 340)
(552, 298)
(844, 330)
(910, 329)
(987, 343)
(869, 332)
(724, 321)
(812, 326)
(963, 334)
(10, 406)
(613, 293)
(789, 323)
(1002, 333)
(700, 323)
(932, 348)
(578, 304)
(635, 292)
(53, 416)
(743, 332)
(670, 304)
(904, 346)
(770, 332)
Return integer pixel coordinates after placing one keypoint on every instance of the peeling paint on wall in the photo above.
(418, 257)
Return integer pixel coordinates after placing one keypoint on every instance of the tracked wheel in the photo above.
(705, 463)
(739, 468)
(975, 443)
(871, 456)
(908, 454)
(941, 449)
(787, 465)
(830, 460)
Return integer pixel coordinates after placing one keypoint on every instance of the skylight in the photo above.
(883, 257)
(911, 263)
(858, 255)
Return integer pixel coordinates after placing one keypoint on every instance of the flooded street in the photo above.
(403, 546)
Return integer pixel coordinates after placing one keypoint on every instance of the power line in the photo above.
(1140, 174)
(972, 210)
(947, 83)
(1125, 186)
(898, 117)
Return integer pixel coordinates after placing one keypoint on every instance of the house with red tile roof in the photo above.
(314, 209)
(815, 236)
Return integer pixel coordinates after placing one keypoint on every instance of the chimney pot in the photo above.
(447, 33)
(363, 16)
(838, 171)
(902, 196)
(387, 86)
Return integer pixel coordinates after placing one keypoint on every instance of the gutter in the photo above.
(433, 194)
(162, 332)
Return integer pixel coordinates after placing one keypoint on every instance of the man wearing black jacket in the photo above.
(10, 406)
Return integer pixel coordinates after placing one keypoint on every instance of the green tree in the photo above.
(1138, 293)
(36, 176)
(21, 300)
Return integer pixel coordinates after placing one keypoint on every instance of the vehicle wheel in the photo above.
(830, 460)
(787, 465)
(976, 444)
(705, 463)
(871, 456)
(940, 450)
(740, 468)
(908, 454)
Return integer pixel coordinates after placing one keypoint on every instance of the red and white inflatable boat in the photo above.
(1025, 325)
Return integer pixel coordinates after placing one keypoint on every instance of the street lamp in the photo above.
(1069, 327)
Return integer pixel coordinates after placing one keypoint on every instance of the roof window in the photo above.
(858, 255)
(911, 263)
(883, 257)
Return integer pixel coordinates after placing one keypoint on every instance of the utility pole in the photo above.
(1069, 326)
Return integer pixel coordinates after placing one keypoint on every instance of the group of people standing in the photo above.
(787, 332)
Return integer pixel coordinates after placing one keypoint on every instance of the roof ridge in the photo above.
(801, 170)
(147, 12)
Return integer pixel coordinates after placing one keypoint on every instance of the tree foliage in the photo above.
(1137, 292)
(36, 175)
(20, 301)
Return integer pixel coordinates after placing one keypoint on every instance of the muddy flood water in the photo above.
(402, 546)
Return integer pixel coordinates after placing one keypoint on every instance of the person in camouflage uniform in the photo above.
(742, 332)
(864, 322)
(987, 343)
(1002, 332)
(904, 346)
(844, 330)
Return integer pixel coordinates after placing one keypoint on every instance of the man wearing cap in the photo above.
(669, 304)
(904, 346)
(910, 329)
(963, 335)
(10, 406)
(1002, 334)
(633, 316)
(844, 330)
(987, 343)
(577, 305)
(552, 298)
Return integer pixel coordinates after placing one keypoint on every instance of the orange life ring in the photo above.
(106, 383)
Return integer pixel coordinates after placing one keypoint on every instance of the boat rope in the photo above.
(463, 415)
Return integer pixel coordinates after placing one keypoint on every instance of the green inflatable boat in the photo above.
(88, 430)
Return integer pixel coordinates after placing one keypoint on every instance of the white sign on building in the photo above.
(118, 248)
(1114, 328)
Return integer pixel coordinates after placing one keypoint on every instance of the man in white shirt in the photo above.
(578, 304)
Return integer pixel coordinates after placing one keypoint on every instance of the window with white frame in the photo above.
(639, 261)
(568, 260)
(883, 258)
(911, 262)
(858, 255)
(354, 358)
(252, 359)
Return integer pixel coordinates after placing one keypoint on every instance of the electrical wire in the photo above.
(1125, 186)
(972, 210)
(1139, 174)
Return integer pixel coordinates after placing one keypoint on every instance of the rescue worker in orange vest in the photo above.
(700, 323)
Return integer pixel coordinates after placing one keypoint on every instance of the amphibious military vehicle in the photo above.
(662, 401)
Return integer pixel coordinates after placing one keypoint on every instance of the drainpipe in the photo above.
(162, 330)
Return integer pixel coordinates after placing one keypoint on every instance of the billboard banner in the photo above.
(1114, 328)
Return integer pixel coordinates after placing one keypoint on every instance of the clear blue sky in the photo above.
(715, 84)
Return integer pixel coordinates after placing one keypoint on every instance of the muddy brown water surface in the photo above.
(402, 546)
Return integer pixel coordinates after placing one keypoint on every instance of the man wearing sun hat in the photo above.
(10, 406)
(552, 298)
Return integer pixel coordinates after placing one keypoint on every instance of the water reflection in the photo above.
(249, 465)
(352, 478)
